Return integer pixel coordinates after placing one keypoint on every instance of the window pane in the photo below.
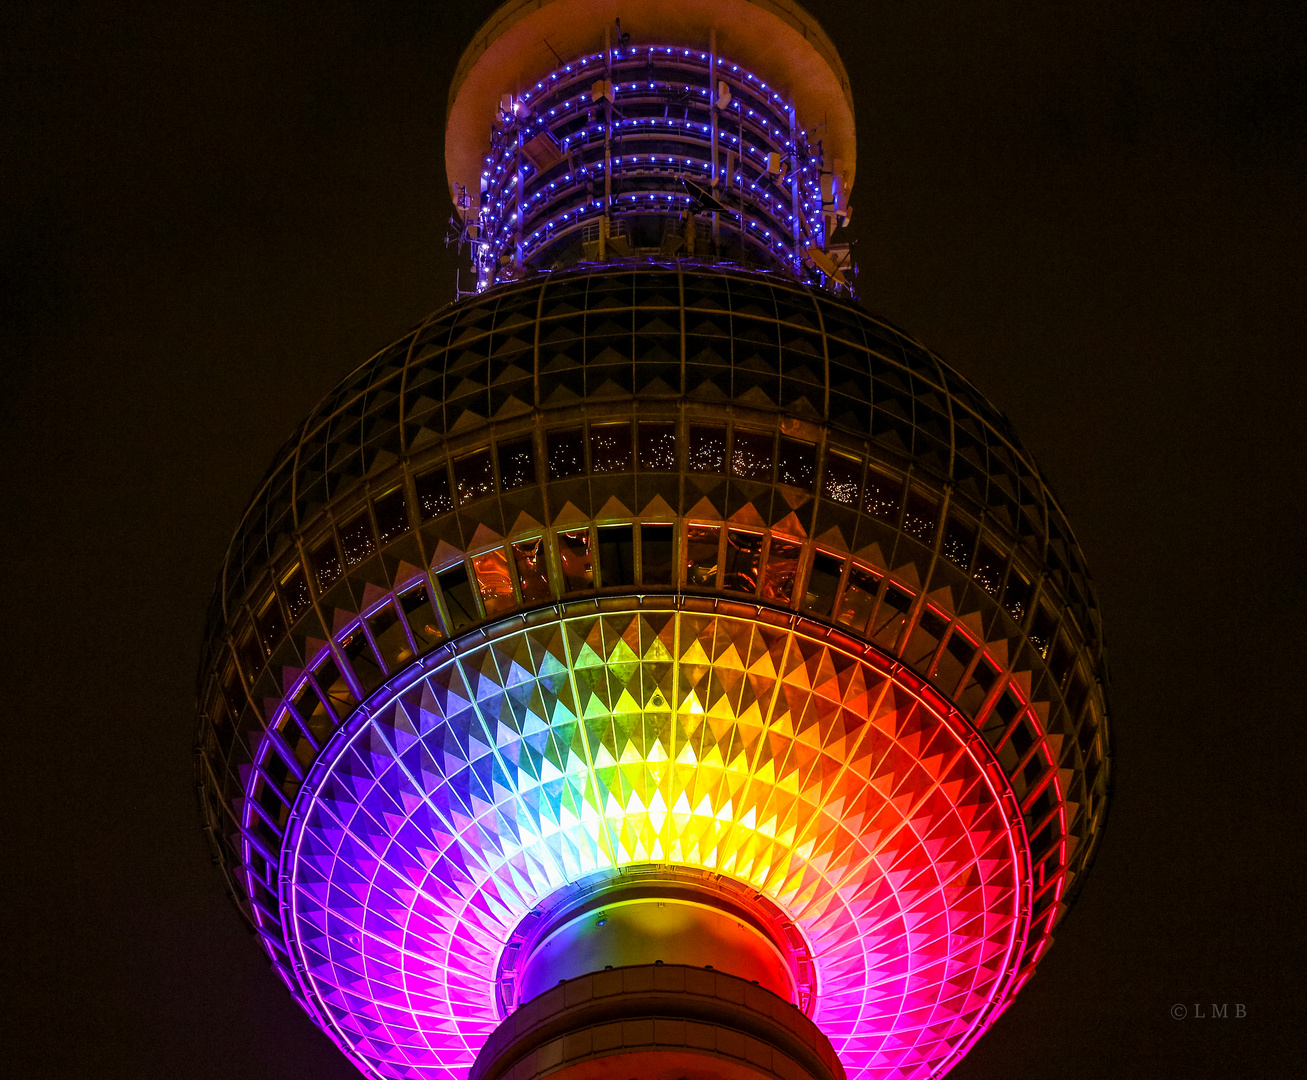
(389, 637)
(392, 516)
(959, 539)
(919, 518)
(492, 579)
(782, 568)
(473, 476)
(882, 496)
(616, 556)
(459, 603)
(658, 566)
(574, 553)
(421, 615)
(326, 563)
(707, 450)
(751, 455)
(842, 479)
(1016, 594)
(362, 660)
(356, 539)
(566, 453)
(532, 570)
(796, 464)
(701, 555)
(610, 448)
(859, 598)
(433, 493)
(988, 570)
(517, 464)
(823, 583)
(743, 556)
(658, 447)
(890, 616)
(295, 591)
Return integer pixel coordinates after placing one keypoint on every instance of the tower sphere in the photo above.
(652, 653)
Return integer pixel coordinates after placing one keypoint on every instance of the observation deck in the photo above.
(727, 139)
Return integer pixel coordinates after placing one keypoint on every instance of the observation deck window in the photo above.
(782, 571)
(389, 636)
(459, 601)
(433, 493)
(842, 479)
(657, 557)
(474, 476)
(421, 615)
(657, 447)
(751, 455)
(707, 450)
(743, 558)
(356, 539)
(295, 591)
(823, 583)
(890, 616)
(610, 448)
(326, 563)
(493, 581)
(882, 495)
(859, 597)
(517, 464)
(392, 515)
(796, 464)
(617, 555)
(566, 453)
(532, 563)
(703, 543)
(578, 564)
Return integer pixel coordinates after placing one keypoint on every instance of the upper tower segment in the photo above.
(719, 132)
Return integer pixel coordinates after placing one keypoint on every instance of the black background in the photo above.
(211, 212)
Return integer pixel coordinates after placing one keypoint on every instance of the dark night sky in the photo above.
(211, 212)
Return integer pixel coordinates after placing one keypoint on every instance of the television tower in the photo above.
(653, 664)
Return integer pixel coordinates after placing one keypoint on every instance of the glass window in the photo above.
(959, 539)
(532, 562)
(271, 624)
(657, 560)
(338, 694)
(919, 517)
(882, 495)
(842, 479)
(751, 455)
(796, 464)
(517, 464)
(782, 569)
(610, 448)
(1016, 594)
(314, 716)
(388, 635)
(707, 450)
(421, 615)
(295, 591)
(657, 447)
(496, 586)
(701, 542)
(433, 493)
(1041, 633)
(890, 615)
(362, 661)
(988, 570)
(823, 583)
(356, 539)
(743, 560)
(1063, 656)
(617, 556)
(326, 563)
(459, 602)
(578, 565)
(474, 476)
(392, 515)
(924, 639)
(566, 453)
(858, 598)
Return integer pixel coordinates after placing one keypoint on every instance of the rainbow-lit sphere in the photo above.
(659, 566)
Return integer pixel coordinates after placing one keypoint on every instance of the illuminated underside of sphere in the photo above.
(668, 634)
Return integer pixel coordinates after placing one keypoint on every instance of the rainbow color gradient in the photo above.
(749, 743)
